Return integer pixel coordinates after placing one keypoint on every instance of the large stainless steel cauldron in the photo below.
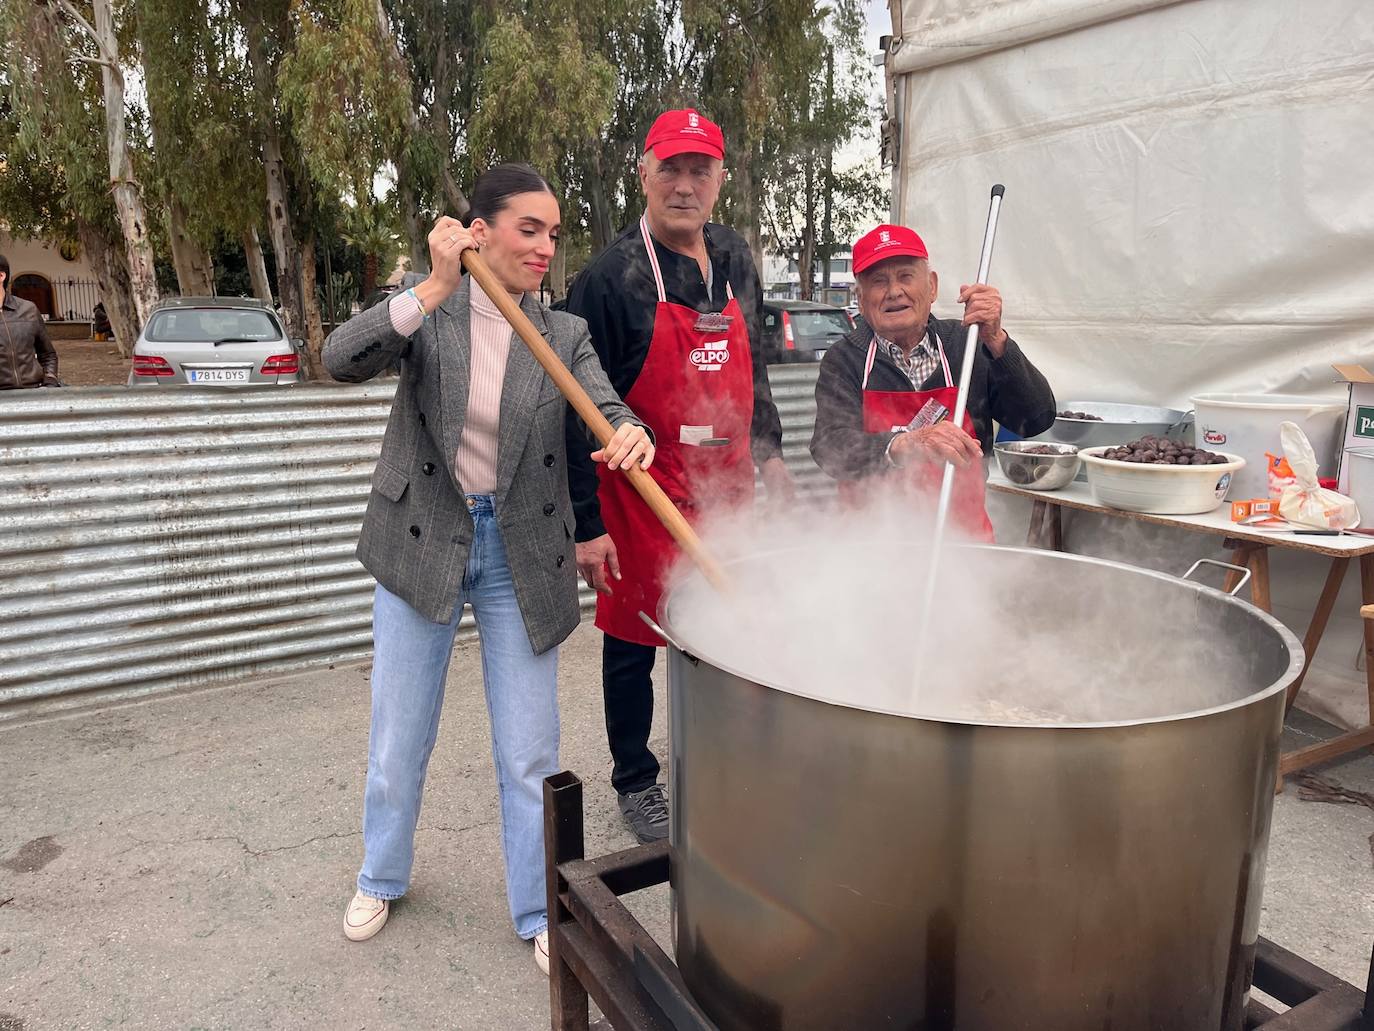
(839, 868)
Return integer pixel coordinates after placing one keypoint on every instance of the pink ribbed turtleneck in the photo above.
(490, 334)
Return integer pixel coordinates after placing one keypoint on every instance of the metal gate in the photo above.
(155, 539)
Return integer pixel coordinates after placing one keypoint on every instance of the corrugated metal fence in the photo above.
(157, 539)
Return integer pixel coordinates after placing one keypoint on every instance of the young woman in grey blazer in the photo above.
(470, 505)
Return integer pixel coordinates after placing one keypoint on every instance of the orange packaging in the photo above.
(1253, 506)
(1280, 474)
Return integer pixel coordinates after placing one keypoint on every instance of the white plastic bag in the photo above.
(1304, 502)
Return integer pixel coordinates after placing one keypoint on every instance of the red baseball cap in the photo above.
(684, 132)
(887, 241)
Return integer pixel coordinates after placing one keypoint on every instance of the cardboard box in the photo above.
(1253, 506)
(1359, 418)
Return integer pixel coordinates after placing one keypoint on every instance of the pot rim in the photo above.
(1295, 652)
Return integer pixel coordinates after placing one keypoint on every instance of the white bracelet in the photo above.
(416, 298)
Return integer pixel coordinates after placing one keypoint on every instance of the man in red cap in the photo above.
(886, 393)
(675, 307)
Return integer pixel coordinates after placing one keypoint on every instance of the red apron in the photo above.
(697, 384)
(888, 410)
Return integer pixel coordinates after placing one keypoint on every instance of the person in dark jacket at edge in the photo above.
(675, 309)
(885, 394)
(27, 356)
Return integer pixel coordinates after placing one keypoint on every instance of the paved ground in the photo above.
(184, 863)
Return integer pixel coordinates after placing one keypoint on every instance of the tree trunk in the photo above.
(369, 275)
(417, 239)
(457, 202)
(748, 226)
(558, 273)
(828, 184)
(133, 219)
(806, 256)
(257, 264)
(594, 189)
(112, 274)
(314, 329)
(287, 257)
(194, 267)
(283, 240)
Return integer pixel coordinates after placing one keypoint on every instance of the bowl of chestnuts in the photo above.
(1159, 476)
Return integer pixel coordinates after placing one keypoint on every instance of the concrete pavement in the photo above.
(185, 862)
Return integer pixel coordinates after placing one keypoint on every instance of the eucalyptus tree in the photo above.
(67, 99)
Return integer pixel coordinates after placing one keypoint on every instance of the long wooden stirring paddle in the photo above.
(660, 504)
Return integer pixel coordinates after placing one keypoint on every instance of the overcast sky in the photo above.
(864, 147)
(879, 22)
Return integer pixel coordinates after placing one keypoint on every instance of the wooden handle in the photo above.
(659, 502)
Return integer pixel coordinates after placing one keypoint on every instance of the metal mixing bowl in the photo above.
(1037, 472)
(1116, 423)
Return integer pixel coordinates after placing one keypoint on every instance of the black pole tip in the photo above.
(998, 190)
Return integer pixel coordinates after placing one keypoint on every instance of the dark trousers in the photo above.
(627, 688)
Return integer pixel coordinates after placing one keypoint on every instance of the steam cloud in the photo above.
(825, 602)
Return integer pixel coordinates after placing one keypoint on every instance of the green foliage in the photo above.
(819, 106)
(346, 113)
(438, 90)
(372, 230)
(200, 101)
(540, 92)
(33, 193)
(371, 234)
(53, 129)
(345, 293)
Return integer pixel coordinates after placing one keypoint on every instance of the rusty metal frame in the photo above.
(599, 951)
(1318, 1001)
(597, 948)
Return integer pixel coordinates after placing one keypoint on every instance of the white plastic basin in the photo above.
(1159, 489)
(1248, 425)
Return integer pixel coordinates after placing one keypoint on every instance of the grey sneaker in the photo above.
(647, 813)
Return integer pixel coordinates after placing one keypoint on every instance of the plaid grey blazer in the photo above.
(418, 531)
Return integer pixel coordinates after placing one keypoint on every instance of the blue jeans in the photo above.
(408, 672)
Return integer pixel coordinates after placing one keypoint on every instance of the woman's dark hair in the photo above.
(5, 268)
(494, 188)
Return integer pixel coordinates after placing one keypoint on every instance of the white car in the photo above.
(216, 342)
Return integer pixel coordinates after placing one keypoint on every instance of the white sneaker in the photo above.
(365, 917)
(541, 951)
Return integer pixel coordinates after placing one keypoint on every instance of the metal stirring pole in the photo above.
(960, 403)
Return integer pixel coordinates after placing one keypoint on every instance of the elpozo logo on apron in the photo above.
(710, 356)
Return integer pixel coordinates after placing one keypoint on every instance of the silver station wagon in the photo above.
(214, 341)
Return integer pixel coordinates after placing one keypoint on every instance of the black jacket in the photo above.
(27, 357)
(617, 297)
(1009, 390)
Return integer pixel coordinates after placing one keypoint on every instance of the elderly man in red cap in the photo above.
(885, 395)
(675, 307)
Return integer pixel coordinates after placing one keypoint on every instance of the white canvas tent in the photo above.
(1189, 208)
(1190, 186)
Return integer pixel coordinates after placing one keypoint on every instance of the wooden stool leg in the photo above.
(1037, 523)
(1317, 627)
(1056, 527)
(1239, 557)
(1367, 600)
(1259, 578)
(1254, 557)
